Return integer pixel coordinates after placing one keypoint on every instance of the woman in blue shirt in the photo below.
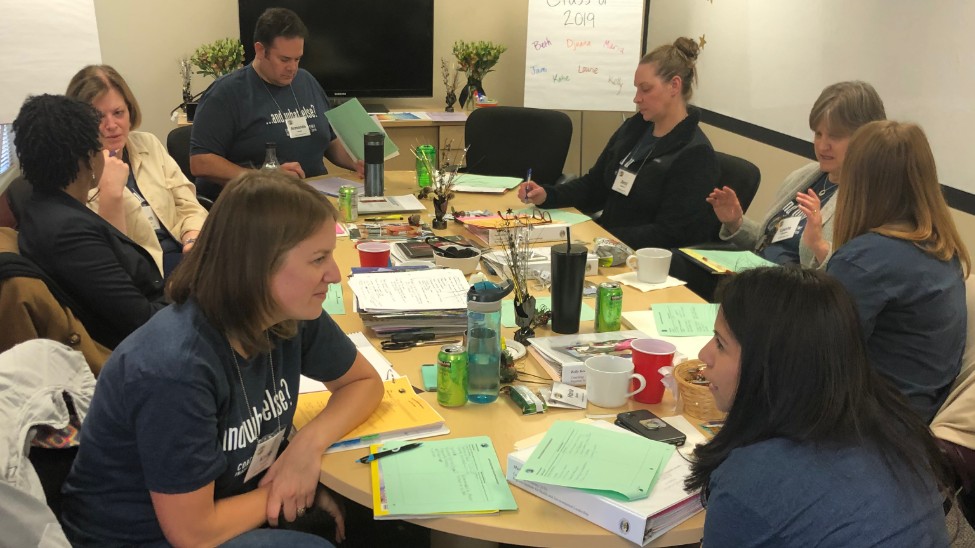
(817, 448)
(901, 257)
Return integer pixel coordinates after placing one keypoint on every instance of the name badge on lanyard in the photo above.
(786, 229)
(624, 181)
(264, 455)
(298, 127)
(150, 215)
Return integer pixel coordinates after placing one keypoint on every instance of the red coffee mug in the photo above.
(649, 355)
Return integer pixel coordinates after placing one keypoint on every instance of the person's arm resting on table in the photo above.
(294, 475)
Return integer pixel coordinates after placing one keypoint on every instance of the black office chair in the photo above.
(508, 141)
(740, 175)
(178, 146)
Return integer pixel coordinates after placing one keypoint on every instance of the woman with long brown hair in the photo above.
(901, 257)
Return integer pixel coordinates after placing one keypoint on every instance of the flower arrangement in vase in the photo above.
(218, 58)
(477, 59)
(441, 179)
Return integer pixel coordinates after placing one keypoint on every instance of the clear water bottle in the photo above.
(271, 157)
(484, 341)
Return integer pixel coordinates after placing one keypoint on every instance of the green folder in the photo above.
(351, 122)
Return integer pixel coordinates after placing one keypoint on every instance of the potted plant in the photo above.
(214, 59)
(476, 59)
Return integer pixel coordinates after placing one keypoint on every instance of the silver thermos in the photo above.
(375, 144)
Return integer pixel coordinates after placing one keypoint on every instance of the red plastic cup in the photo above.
(649, 355)
(373, 253)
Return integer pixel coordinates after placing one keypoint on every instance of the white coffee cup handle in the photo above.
(632, 262)
(643, 383)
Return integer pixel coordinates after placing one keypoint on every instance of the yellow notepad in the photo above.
(402, 414)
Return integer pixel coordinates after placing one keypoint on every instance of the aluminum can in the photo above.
(348, 203)
(452, 375)
(423, 176)
(609, 307)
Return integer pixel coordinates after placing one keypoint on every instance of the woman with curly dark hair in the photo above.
(818, 449)
(114, 282)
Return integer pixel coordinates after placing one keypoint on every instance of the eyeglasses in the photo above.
(537, 217)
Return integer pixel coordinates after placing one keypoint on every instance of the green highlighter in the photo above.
(429, 373)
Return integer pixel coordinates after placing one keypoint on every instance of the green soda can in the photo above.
(609, 307)
(452, 375)
(423, 175)
(348, 203)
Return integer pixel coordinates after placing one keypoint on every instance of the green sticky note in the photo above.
(486, 181)
(685, 319)
(588, 457)
(736, 261)
(559, 215)
(429, 373)
(334, 304)
(586, 313)
(445, 476)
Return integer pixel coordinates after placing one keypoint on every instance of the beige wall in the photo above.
(144, 40)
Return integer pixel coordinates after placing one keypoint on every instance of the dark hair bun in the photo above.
(687, 47)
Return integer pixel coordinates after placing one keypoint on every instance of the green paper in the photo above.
(685, 319)
(735, 261)
(334, 304)
(586, 313)
(445, 476)
(486, 181)
(351, 122)
(610, 463)
(559, 215)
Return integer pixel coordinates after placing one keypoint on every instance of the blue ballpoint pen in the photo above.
(527, 178)
(373, 456)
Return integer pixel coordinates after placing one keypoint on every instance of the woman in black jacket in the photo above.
(112, 281)
(657, 168)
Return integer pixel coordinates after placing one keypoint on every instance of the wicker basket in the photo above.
(698, 400)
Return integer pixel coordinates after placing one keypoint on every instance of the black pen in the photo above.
(373, 456)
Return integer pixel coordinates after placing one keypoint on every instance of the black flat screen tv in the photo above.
(359, 48)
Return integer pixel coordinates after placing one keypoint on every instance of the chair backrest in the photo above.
(508, 141)
(178, 146)
(741, 176)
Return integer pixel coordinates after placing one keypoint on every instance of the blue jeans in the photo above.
(267, 538)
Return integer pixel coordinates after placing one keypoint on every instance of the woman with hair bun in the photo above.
(651, 180)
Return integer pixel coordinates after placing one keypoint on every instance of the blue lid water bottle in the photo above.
(484, 341)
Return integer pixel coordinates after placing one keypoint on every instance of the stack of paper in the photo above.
(469, 182)
(599, 473)
(401, 415)
(563, 356)
(456, 476)
(432, 300)
(389, 204)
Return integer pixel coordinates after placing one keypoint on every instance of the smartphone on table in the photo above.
(650, 426)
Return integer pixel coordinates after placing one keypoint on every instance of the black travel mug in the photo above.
(568, 273)
(375, 143)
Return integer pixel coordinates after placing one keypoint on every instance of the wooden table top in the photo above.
(536, 522)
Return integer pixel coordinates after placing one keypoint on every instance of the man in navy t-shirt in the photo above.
(269, 101)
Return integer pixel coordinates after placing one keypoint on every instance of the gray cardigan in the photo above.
(750, 232)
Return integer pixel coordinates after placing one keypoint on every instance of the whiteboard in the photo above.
(766, 61)
(43, 43)
(581, 54)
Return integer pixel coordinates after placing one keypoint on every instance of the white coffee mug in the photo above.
(608, 380)
(651, 264)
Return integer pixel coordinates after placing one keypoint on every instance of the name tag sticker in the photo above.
(624, 182)
(787, 229)
(297, 127)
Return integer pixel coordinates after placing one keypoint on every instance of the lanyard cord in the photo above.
(297, 105)
(240, 377)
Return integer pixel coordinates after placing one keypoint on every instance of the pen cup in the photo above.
(568, 272)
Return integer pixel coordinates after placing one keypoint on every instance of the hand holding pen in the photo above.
(531, 192)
